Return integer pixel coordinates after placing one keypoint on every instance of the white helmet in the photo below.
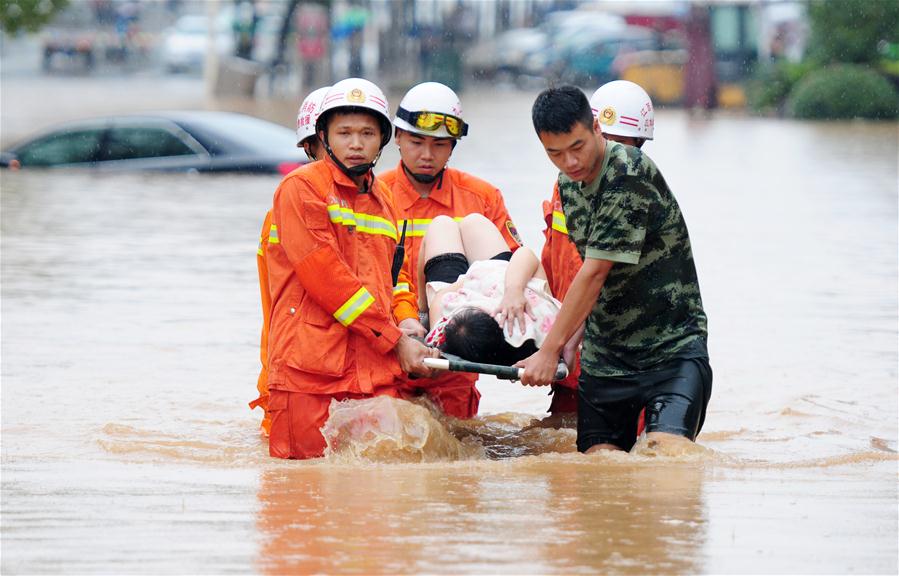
(624, 109)
(437, 99)
(308, 114)
(356, 93)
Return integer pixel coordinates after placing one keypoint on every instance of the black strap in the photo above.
(399, 254)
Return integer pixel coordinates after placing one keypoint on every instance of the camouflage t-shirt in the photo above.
(650, 309)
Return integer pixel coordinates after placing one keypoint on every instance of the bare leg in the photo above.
(443, 237)
(480, 237)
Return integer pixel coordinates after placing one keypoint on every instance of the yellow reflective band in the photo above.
(273, 235)
(340, 215)
(419, 226)
(559, 222)
(401, 287)
(375, 225)
(365, 223)
(354, 306)
(259, 250)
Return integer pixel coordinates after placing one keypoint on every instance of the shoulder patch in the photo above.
(513, 231)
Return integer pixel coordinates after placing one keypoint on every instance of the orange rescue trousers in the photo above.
(297, 419)
(455, 394)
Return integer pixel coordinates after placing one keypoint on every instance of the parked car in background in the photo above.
(568, 31)
(504, 54)
(597, 60)
(166, 141)
(538, 53)
(183, 47)
(69, 50)
(184, 44)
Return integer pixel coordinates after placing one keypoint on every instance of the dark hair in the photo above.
(474, 335)
(556, 110)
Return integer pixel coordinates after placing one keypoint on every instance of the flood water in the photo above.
(130, 323)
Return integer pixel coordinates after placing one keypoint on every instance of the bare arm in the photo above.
(522, 267)
(514, 306)
(578, 303)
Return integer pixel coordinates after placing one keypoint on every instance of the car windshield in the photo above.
(229, 131)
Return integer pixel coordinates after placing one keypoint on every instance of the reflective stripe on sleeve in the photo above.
(401, 287)
(559, 222)
(273, 235)
(354, 306)
(259, 250)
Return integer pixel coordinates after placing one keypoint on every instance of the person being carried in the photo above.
(645, 340)
(485, 304)
(626, 115)
(428, 125)
(337, 318)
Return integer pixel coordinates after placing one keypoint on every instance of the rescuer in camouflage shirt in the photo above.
(649, 310)
(645, 339)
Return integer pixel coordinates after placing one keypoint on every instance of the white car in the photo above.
(184, 44)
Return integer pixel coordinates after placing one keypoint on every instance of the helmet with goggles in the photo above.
(624, 109)
(308, 114)
(431, 109)
(356, 95)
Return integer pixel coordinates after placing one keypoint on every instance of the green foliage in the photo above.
(842, 92)
(28, 15)
(849, 30)
(771, 85)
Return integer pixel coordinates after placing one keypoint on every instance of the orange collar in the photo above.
(410, 196)
(377, 190)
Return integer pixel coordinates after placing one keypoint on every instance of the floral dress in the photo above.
(483, 286)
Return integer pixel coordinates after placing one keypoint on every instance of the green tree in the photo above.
(849, 31)
(28, 15)
(844, 91)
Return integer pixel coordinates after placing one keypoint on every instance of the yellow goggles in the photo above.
(432, 121)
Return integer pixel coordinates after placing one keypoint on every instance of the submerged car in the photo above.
(163, 141)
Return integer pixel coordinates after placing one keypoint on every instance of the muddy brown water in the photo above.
(130, 320)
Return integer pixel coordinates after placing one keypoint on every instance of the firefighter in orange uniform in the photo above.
(428, 126)
(625, 115)
(340, 305)
(308, 140)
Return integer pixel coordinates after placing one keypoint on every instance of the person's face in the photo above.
(577, 153)
(355, 138)
(423, 154)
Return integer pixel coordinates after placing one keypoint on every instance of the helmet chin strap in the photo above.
(425, 178)
(354, 171)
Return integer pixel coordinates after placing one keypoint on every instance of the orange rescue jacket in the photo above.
(560, 259)
(266, 299)
(334, 310)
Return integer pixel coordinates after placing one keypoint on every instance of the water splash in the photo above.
(384, 429)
